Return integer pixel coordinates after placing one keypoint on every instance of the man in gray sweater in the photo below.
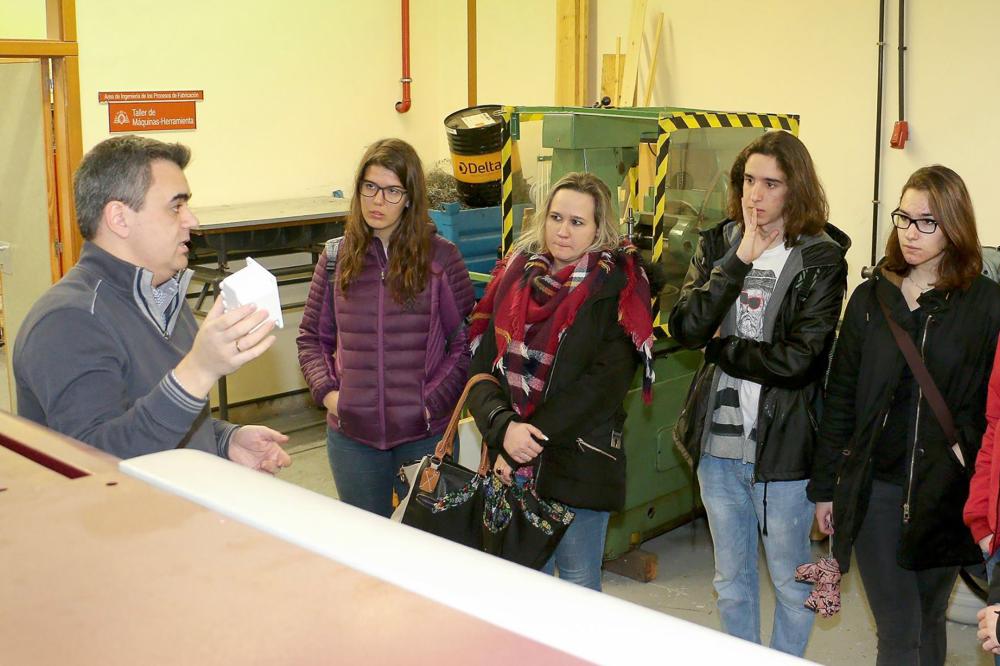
(111, 354)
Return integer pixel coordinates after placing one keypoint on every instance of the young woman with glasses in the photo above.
(382, 342)
(888, 484)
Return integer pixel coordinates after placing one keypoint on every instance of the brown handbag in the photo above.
(446, 498)
(478, 510)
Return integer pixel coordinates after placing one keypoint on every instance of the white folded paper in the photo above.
(253, 284)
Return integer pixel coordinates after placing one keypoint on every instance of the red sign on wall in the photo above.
(151, 96)
(151, 111)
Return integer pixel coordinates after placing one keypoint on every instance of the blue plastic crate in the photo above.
(476, 232)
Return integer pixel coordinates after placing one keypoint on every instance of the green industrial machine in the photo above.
(681, 191)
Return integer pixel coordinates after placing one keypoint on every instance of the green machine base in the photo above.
(661, 492)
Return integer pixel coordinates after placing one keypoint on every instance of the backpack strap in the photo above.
(332, 249)
(991, 263)
(451, 318)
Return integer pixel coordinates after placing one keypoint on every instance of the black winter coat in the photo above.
(583, 462)
(958, 335)
(790, 368)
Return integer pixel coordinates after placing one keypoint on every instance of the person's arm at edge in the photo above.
(977, 505)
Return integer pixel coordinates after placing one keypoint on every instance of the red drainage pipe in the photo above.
(404, 105)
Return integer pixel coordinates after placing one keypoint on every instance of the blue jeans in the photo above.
(365, 477)
(991, 564)
(581, 552)
(735, 506)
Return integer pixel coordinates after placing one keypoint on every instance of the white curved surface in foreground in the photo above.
(587, 624)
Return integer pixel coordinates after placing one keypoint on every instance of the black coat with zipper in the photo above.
(790, 368)
(583, 461)
(957, 334)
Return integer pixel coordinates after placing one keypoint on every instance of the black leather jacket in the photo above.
(790, 368)
(957, 333)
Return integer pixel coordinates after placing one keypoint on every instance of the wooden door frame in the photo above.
(59, 56)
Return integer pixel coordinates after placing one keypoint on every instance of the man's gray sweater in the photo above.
(93, 362)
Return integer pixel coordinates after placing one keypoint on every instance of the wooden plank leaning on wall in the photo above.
(572, 52)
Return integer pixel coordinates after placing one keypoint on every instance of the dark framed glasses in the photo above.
(902, 221)
(391, 194)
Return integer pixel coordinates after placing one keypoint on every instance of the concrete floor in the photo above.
(684, 585)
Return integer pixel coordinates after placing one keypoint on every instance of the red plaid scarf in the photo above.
(535, 308)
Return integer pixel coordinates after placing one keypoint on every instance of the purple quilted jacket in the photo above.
(389, 363)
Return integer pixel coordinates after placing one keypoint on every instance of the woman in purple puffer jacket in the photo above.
(382, 342)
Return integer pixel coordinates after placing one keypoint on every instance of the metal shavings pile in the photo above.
(441, 185)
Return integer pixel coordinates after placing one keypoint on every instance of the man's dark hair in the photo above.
(806, 209)
(119, 169)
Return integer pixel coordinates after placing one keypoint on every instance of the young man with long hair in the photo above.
(762, 297)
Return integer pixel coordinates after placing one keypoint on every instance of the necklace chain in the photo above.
(921, 287)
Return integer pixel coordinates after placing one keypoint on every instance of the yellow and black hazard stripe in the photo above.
(659, 204)
(686, 120)
(507, 185)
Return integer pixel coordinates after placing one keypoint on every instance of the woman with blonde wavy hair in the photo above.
(563, 325)
(382, 342)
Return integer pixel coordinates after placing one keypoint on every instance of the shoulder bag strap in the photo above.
(445, 447)
(923, 377)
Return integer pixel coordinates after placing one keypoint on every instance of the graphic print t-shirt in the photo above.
(754, 297)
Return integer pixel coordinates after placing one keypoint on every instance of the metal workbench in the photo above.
(266, 228)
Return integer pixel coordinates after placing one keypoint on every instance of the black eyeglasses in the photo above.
(391, 194)
(902, 221)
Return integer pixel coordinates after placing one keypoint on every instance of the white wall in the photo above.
(22, 19)
(295, 91)
(952, 93)
(820, 60)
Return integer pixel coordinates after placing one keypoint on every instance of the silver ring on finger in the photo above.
(238, 350)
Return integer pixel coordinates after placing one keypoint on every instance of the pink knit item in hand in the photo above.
(825, 576)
